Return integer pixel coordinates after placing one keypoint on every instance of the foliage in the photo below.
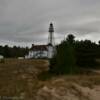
(71, 53)
(45, 76)
(13, 52)
(2, 60)
(64, 61)
(86, 53)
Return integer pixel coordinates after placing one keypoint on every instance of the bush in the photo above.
(2, 61)
(64, 61)
(71, 53)
(45, 76)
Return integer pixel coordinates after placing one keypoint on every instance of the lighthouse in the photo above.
(43, 51)
(51, 47)
(51, 35)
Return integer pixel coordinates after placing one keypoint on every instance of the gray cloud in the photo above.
(27, 21)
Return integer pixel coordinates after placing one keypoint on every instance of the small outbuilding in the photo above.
(1, 57)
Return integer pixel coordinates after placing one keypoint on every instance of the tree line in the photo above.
(13, 52)
(73, 54)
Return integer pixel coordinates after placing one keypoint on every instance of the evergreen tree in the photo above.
(64, 61)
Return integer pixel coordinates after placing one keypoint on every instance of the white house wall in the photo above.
(1, 57)
(50, 51)
(37, 54)
(41, 54)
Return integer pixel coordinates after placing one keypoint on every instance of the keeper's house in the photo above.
(40, 51)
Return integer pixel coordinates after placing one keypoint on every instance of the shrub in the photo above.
(2, 61)
(64, 60)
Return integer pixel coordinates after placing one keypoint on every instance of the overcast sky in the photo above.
(23, 22)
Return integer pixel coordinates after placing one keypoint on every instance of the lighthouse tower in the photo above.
(51, 48)
(51, 35)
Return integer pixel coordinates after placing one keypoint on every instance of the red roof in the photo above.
(39, 47)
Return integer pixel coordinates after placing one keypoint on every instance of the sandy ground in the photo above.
(64, 89)
(19, 81)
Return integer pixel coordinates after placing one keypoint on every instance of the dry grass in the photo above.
(18, 78)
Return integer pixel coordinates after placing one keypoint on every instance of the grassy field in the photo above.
(18, 79)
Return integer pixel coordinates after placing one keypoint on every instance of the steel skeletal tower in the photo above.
(51, 35)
